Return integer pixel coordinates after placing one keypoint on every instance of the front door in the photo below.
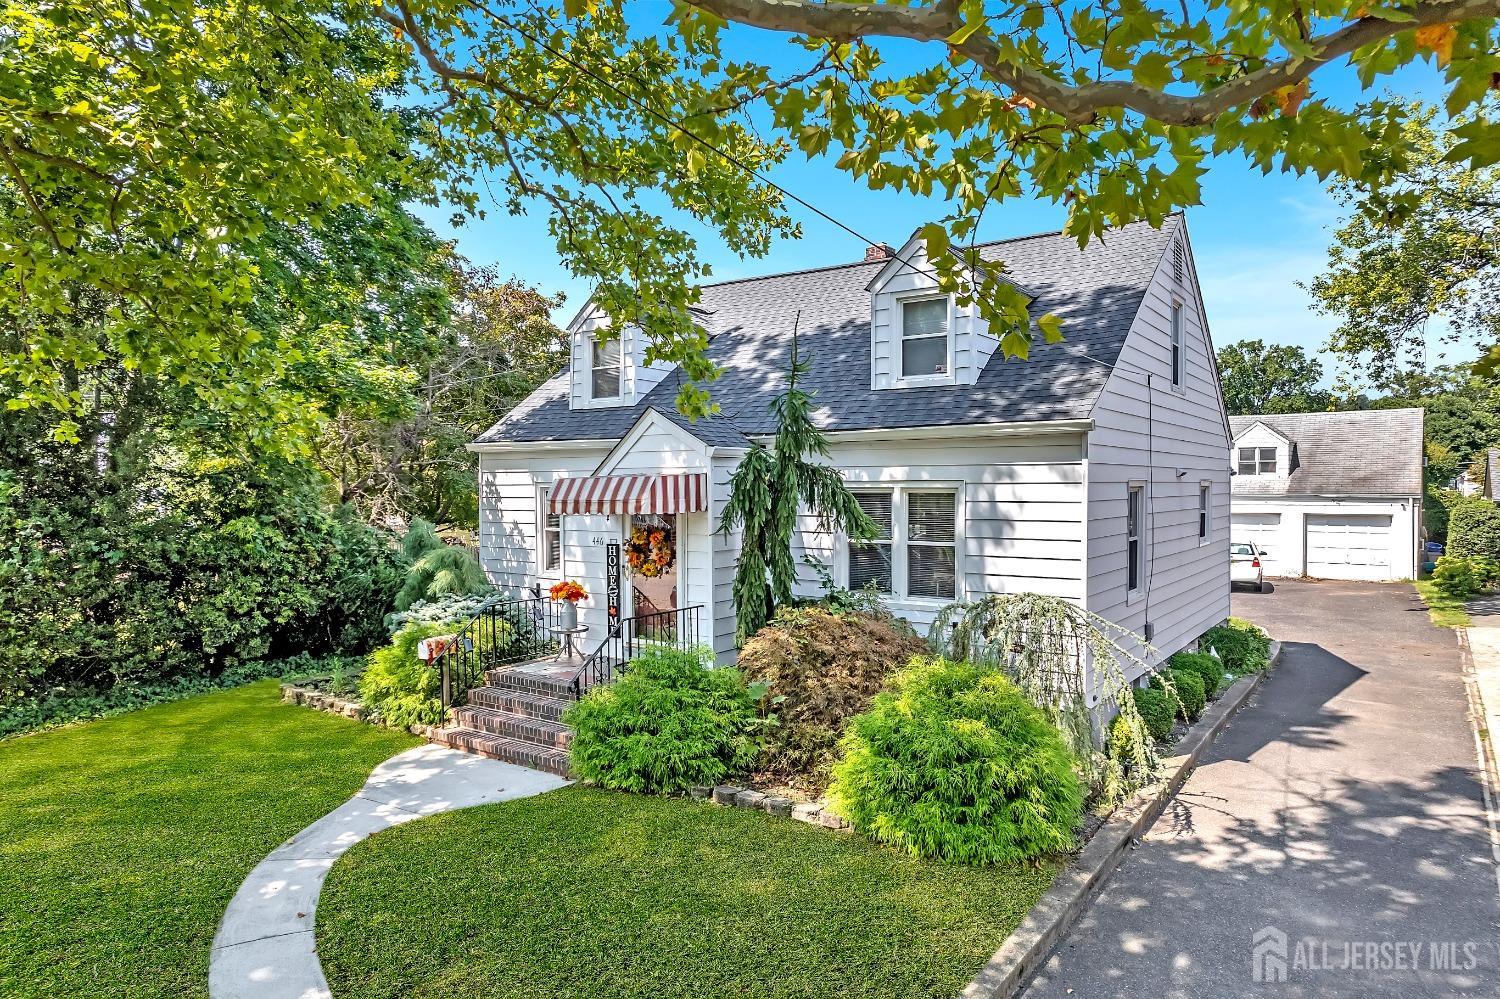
(651, 560)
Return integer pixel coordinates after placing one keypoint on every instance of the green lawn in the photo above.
(1445, 612)
(122, 841)
(592, 893)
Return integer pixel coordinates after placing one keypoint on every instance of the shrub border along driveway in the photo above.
(1056, 912)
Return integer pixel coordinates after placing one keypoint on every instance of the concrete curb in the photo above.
(1054, 915)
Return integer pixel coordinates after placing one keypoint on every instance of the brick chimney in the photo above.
(880, 251)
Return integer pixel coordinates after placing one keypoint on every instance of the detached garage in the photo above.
(1330, 495)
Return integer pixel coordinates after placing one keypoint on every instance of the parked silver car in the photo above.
(1245, 566)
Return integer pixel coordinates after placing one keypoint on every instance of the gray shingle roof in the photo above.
(1492, 472)
(1368, 452)
(1095, 290)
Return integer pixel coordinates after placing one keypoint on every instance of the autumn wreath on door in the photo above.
(650, 551)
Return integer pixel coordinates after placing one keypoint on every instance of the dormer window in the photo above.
(1257, 461)
(924, 338)
(607, 365)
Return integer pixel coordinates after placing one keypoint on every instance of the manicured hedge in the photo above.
(1474, 529)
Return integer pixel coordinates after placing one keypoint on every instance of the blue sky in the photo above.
(1254, 235)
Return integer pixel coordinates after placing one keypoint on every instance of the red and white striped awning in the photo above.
(608, 494)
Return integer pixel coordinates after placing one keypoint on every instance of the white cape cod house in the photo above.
(1095, 470)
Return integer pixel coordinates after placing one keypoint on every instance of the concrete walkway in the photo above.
(1335, 840)
(264, 948)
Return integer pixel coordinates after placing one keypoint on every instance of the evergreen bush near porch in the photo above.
(670, 723)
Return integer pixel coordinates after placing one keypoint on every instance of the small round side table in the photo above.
(570, 651)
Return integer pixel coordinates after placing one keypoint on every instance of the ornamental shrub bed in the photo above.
(819, 667)
(954, 763)
(1240, 646)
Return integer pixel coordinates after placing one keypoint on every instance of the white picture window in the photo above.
(1257, 461)
(1204, 509)
(924, 338)
(1177, 353)
(1134, 511)
(606, 362)
(915, 551)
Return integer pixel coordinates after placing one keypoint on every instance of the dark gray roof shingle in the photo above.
(1367, 452)
(1095, 290)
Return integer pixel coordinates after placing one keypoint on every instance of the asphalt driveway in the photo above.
(1339, 821)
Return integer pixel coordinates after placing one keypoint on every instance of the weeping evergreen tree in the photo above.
(765, 493)
(437, 570)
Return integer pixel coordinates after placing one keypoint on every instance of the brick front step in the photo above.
(498, 747)
(519, 702)
(525, 728)
(527, 682)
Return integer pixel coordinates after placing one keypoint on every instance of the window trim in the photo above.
(591, 344)
(1178, 347)
(1205, 511)
(898, 345)
(1135, 494)
(1257, 459)
(543, 569)
(899, 541)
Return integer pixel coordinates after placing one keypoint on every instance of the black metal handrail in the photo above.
(503, 632)
(628, 637)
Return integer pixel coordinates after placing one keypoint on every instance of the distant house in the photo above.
(1330, 495)
(1093, 471)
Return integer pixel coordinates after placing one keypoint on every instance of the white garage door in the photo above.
(1264, 530)
(1349, 545)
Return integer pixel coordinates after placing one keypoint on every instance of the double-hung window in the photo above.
(606, 362)
(1257, 461)
(1177, 353)
(1204, 490)
(924, 338)
(915, 552)
(870, 561)
(1134, 513)
(551, 537)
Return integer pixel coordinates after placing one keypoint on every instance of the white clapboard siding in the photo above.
(1147, 431)
(1021, 504)
(637, 376)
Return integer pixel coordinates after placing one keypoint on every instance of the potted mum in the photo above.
(568, 593)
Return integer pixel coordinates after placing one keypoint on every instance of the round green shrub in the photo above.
(670, 723)
(1209, 669)
(1454, 577)
(1189, 687)
(400, 686)
(953, 762)
(1157, 711)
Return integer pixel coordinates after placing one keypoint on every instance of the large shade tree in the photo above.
(1415, 266)
(1271, 378)
(141, 144)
